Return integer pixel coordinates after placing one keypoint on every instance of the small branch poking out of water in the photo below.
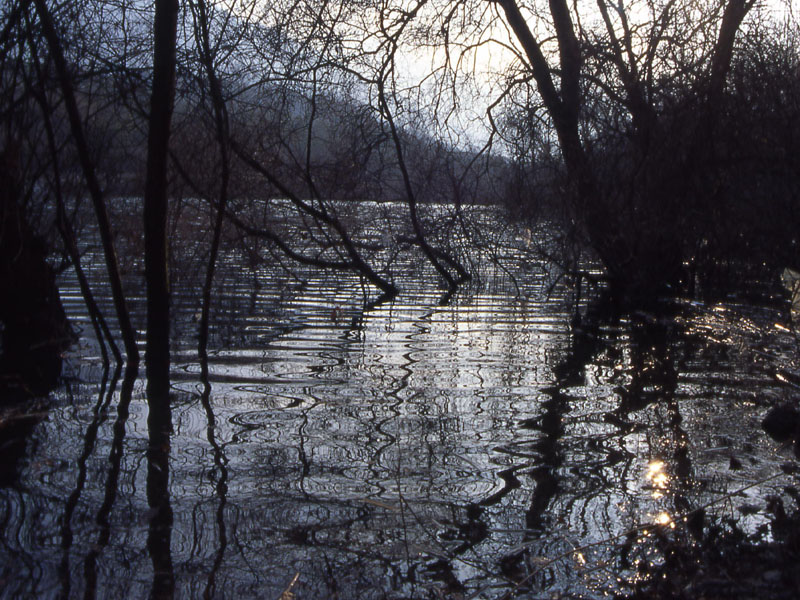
(287, 593)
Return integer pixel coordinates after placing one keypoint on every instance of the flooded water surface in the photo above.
(488, 448)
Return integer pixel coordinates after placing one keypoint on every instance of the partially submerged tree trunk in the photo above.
(221, 127)
(33, 326)
(157, 358)
(564, 107)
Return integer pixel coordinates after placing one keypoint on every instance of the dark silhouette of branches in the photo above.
(98, 201)
(221, 127)
(63, 222)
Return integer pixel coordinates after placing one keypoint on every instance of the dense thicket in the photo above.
(703, 189)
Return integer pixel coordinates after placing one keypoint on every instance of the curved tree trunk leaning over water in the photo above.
(411, 200)
(65, 229)
(90, 175)
(354, 262)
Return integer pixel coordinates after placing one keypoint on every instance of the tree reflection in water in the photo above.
(112, 482)
(90, 438)
(221, 484)
(413, 449)
(159, 535)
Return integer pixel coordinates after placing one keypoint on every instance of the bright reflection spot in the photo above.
(580, 559)
(663, 518)
(660, 480)
(657, 477)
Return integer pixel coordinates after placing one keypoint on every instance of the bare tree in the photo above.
(202, 34)
(155, 208)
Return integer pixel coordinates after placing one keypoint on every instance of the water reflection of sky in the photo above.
(411, 449)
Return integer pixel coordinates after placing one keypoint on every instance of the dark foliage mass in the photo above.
(721, 561)
(716, 191)
(34, 329)
(682, 177)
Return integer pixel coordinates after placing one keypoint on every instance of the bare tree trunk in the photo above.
(564, 108)
(732, 17)
(159, 531)
(203, 36)
(157, 358)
